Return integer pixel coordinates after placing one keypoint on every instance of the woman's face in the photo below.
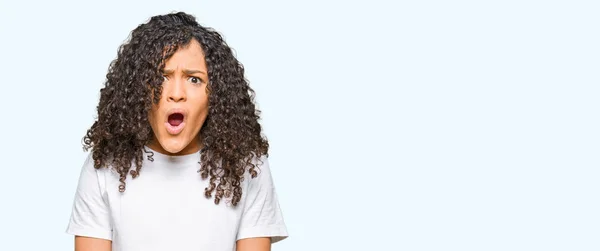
(183, 105)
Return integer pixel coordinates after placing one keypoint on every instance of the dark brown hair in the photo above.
(231, 134)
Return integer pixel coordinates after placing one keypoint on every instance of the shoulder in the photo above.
(259, 173)
(260, 165)
(102, 172)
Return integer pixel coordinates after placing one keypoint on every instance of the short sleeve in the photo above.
(90, 216)
(262, 216)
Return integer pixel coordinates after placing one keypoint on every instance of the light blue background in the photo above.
(412, 125)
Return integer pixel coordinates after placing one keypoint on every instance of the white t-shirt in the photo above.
(164, 208)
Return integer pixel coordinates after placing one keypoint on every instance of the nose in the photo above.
(176, 92)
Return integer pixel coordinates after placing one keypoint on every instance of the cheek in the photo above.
(202, 112)
(200, 100)
(204, 106)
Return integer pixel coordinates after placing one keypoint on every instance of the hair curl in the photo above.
(231, 133)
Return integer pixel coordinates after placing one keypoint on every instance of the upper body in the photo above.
(165, 208)
(178, 160)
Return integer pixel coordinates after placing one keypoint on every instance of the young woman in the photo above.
(177, 159)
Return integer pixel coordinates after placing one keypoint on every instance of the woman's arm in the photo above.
(253, 244)
(92, 244)
(90, 221)
(261, 223)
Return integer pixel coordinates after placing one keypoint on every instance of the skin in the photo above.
(94, 244)
(254, 244)
(185, 87)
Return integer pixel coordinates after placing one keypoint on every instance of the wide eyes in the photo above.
(193, 80)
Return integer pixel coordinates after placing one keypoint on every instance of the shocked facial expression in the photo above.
(177, 118)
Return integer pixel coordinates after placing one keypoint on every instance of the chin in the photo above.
(173, 146)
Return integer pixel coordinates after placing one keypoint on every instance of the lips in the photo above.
(175, 121)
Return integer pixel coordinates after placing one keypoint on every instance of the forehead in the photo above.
(187, 56)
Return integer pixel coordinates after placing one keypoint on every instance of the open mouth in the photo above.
(175, 119)
(175, 123)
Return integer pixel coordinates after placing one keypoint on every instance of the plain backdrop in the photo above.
(398, 125)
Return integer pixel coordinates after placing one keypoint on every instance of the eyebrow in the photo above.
(186, 71)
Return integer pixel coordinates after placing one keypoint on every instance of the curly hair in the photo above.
(231, 134)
